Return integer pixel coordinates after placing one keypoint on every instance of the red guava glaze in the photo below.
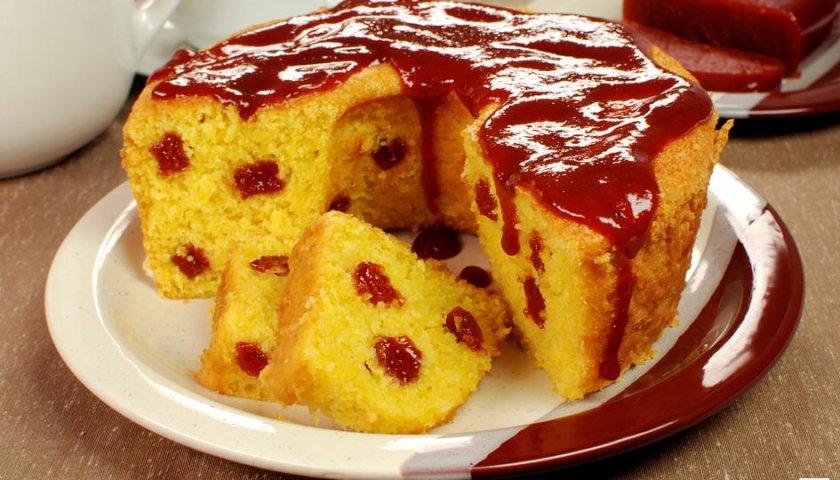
(399, 357)
(250, 358)
(170, 155)
(388, 155)
(485, 201)
(438, 242)
(536, 245)
(370, 279)
(340, 203)
(610, 367)
(258, 178)
(193, 263)
(466, 329)
(476, 276)
(534, 302)
(275, 264)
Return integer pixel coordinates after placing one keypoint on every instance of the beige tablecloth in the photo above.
(786, 427)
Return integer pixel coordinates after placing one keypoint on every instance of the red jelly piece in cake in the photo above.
(399, 357)
(341, 203)
(193, 263)
(258, 178)
(170, 154)
(276, 264)
(535, 303)
(717, 68)
(438, 242)
(388, 155)
(536, 245)
(370, 278)
(463, 325)
(784, 29)
(485, 201)
(250, 358)
(476, 276)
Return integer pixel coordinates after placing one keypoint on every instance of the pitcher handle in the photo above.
(148, 18)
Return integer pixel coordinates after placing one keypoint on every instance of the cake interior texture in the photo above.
(376, 338)
(581, 160)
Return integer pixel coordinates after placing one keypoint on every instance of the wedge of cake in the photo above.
(375, 338)
(244, 317)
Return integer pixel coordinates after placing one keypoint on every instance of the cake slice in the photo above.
(244, 317)
(375, 338)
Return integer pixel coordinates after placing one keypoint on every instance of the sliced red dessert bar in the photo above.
(716, 68)
(785, 29)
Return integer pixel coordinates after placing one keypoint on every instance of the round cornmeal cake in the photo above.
(580, 159)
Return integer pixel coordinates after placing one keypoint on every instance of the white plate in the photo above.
(137, 351)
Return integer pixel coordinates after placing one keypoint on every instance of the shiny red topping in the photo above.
(388, 155)
(371, 280)
(438, 242)
(250, 358)
(399, 357)
(170, 154)
(275, 264)
(193, 263)
(477, 276)
(567, 87)
(610, 367)
(536, 245)
(485, 201)
(258, 178)
(466, 329)
(535, 302)
(341, 203)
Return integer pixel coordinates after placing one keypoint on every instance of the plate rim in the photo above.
(486, 467)
(722, 395)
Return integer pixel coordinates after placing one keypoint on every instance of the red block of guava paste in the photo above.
(716, 68)
(785, 29)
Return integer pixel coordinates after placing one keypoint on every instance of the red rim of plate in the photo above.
(821, 99)
(684, 395)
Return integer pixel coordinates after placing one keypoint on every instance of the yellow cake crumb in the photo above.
(333, 343)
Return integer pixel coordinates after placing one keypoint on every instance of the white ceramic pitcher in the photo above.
(66, 67)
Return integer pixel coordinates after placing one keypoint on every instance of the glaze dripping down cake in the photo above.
(581, 159)
(376, 338)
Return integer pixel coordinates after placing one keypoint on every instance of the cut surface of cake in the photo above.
(376, 338)
(585, 159)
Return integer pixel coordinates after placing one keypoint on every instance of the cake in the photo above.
(784, 29)
(375, 338)
(582, 159)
